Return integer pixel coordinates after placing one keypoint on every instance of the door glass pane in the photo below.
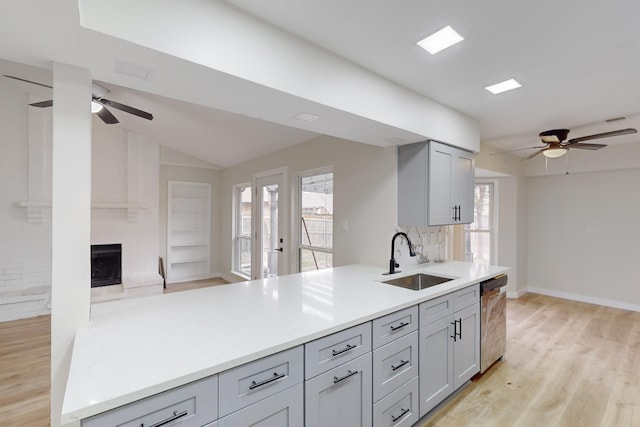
(270, 242)
(317, 210)
(244, 255)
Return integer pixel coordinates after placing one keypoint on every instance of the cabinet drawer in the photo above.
(341, 396)
(394, 364)
(400, 408)
(256, 380)
(435, 309)
(281, 409)
(465, 297)
(193, 404)
(394, 325)
(331, 351)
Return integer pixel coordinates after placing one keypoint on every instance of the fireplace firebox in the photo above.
(106, 265)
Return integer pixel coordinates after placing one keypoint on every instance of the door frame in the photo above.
(278, 174)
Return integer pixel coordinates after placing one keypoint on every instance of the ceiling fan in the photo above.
(556, 143)
(98, 103)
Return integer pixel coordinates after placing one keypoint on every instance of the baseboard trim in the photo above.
(584, 298)
(516, 294)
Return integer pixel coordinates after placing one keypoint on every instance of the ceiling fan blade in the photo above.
(601, 135)
(534, 154)
(519, 149)
(587, 146)
(27, 81)
(43, 104)
(107, 117)
(126, 109)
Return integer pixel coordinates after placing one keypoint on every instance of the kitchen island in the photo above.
(137, 348)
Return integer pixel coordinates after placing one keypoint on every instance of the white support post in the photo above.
(71, 219)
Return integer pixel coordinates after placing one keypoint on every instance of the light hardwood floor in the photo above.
(567, 364)
(24, 372)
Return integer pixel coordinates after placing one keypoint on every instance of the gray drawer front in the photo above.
(394, 364)
(282, 409)
(198, 399)
(394, 325)
(328, 352)
(254, 381)
(466, 297)
(398, 409)
(435, 309)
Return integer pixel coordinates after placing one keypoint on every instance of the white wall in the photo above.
(583, 236)
(25, 247)
(364, 195)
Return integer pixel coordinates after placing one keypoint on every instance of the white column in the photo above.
(71, 218)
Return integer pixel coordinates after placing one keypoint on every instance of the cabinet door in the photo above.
(441, 166)
(436, 363)
(463, 184)
(283, 409)
(466, 352)
(340, 397)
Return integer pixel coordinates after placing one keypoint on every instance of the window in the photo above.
(315, 249)
(242, 235)
(479, 235)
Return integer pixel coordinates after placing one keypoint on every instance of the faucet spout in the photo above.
(392, 262)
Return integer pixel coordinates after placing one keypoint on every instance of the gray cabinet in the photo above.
(435, 184)
(193, 404)
(398, 409)
(436, 363)
(283, 409)
(466, 347)
(257, 380)
(449, 345)
(340, 397)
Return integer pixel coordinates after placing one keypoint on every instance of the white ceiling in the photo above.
(578, 63)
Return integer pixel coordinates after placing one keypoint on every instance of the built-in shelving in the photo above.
(188, 231)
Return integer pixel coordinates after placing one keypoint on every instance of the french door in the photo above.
(270, 236)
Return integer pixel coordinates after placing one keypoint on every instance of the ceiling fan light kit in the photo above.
(555, 152)
(95, 106)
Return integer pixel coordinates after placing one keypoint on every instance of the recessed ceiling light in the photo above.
(503, 86)
(305, 117)
(440, 40)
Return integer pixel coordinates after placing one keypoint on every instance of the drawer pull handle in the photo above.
(400, 326)
(276, 376)
(344, 350)
(402, 363)
(336, 380)
(402, 414)
(174, 417)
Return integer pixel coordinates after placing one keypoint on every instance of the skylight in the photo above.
(440, 40)
(503, 86)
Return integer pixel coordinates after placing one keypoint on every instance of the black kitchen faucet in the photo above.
(392, 262)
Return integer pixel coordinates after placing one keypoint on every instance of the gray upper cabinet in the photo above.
(435, 184)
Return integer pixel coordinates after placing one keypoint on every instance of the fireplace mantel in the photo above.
(35, 209)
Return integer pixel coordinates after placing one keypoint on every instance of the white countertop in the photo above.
(139, 347)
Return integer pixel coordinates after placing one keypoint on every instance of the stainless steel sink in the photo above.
(417, 282)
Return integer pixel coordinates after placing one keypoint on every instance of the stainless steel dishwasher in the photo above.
(493, 321)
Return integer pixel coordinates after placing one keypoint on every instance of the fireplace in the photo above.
(106, 265)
